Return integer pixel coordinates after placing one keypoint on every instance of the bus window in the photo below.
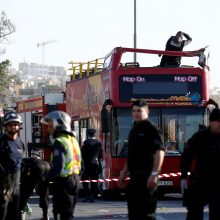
(178, 126)
(107, 61)
(121, 125)
(83, 130)
(143, 59)
(76, 128)
(154, 116)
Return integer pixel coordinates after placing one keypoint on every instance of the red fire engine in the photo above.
(33, 134)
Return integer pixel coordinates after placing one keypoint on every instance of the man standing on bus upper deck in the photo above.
(203, 148)
(175, 43)
(145, 158)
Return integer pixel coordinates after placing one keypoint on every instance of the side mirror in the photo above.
(106, 115)
(203, 58)
(105, 120)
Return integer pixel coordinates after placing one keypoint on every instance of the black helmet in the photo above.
(61, 121)
(12, 117)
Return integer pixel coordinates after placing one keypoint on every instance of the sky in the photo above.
(83, 30)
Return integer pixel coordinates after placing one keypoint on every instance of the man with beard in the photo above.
(12, 151)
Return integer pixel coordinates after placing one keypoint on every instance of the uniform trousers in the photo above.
(64, 196)
(91, 172)
(200, 195)
(141, 200)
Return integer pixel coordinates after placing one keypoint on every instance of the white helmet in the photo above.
(61, 121)
(12, 117)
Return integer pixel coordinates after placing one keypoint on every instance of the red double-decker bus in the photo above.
(100, 93)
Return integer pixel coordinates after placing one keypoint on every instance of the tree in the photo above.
(7, 80)
(6, 29)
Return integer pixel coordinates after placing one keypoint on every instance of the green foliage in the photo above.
(8, 81)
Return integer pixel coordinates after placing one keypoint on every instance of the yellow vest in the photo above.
(72, 155)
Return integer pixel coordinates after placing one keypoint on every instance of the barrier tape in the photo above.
(164, 175)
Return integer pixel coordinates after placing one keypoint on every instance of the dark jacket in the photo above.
(11, 154)
(204, 149)
(143, 141)
(174, 45)
(91, 151)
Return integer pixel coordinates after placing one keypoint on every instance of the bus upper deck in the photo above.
(158, 85)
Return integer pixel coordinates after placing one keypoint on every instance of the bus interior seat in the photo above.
(132, 65)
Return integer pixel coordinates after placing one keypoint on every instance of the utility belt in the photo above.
(92, 160)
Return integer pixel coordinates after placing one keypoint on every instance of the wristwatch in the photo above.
(154, 173)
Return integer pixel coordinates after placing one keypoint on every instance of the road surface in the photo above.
(168, 208)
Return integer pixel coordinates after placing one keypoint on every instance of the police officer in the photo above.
(203, 148)
(92, 156)
(65, 166)
(145, 158)
(12, 151)
(175, 43)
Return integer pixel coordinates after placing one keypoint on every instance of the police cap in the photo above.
(91, 132)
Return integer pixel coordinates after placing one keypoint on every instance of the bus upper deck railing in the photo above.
(113, 61)
(81, 69)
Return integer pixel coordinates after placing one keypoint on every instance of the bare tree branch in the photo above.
(6, 29)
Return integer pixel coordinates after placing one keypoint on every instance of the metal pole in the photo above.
(43, 53)
(1, 130)
(135, 30)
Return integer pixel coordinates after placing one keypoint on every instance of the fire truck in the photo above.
(33, 134)
(100, 93)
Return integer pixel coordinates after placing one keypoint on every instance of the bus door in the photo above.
(178, 125)
(121, 125)
(80, 127)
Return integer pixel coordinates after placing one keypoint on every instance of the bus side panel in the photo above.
(170, 184)
(117, 166)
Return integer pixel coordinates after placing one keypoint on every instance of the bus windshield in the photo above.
(177, 125)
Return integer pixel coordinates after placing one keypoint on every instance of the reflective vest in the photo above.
(72, 155)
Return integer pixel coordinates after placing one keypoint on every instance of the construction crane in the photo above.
(43, 44)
